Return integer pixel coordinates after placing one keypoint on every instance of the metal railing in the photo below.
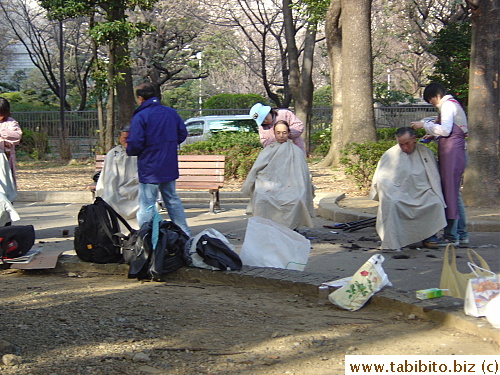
(84, 123)
(82, 126)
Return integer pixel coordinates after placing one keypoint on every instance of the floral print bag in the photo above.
(367, 280)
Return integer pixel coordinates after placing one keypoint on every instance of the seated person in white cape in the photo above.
(279, 183)
(407, 185)
(118, 184)
(8, 192)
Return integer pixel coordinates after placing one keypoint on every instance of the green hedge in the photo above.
(241, 150)
(33, 144)
(360, 160)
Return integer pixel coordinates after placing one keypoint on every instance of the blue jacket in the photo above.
(155, 133)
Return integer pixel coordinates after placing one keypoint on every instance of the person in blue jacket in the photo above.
(155, 133)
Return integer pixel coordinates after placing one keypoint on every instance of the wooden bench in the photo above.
(196, 172)
(200, 172)
(99, 164)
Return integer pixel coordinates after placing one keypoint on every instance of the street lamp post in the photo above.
(199, 56)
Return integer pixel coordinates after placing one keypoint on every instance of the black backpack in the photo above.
(16, 240)
(146, 263)
(98, 237)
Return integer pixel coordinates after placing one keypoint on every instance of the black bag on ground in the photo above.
(211, 250)
(98, 237)
(146, 263)
(217, 254)
(16, 240)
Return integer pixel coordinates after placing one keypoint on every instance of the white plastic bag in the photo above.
(480, 291)
(269, 244)
(367, 281)
(492, 311)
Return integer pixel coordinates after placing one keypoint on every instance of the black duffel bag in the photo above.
(16, 240)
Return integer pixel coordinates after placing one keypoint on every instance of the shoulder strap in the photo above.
(114, 214)
(112, 229)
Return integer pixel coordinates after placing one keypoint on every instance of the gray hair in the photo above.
(405, 130)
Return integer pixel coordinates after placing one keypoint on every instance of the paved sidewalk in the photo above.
(334, 254)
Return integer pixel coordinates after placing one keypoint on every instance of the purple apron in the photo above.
(451, 154)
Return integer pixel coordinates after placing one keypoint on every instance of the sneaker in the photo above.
(464, 242)
(430, 244)
(442, 242)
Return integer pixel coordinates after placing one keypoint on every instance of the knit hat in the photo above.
(259, 112)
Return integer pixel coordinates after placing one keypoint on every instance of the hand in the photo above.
(417, 125)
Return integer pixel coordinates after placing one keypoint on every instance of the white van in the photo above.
(199, 127)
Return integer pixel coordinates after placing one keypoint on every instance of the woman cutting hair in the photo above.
(266, 117)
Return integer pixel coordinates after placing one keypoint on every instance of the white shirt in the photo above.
(451, 113)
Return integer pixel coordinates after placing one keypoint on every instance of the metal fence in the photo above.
(82, 125)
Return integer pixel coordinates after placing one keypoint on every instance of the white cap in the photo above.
(259, 112)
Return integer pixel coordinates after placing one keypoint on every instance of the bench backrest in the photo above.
(195, 169)
(99, 162)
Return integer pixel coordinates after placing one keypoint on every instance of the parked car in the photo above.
(199, 127)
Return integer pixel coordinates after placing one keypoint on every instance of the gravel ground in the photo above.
(56, 324)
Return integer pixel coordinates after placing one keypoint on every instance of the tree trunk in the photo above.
(358, 123)
(481, 180)
(333, 31)
(304, 103)
(100, 122)
(300, 82)
(110, 104)
(125, 98)
(100, 147)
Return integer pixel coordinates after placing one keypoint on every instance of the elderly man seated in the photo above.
(407, 185)
(279, 183)
(118, 183)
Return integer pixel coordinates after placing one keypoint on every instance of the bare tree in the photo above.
(28, 24)
(261, 23)
(481, 180)
(402, 33)
(301, 81)
(5, 42)
(167, 56)
(282, 45)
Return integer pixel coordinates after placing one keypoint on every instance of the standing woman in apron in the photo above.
(450, 130)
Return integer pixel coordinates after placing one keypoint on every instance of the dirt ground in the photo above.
(58, 324)
(55, 324)
(75, 176)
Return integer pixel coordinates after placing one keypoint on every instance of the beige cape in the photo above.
(118, 183)
(279, 185)
(408, 188)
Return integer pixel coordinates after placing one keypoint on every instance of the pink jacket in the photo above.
(266, 132)
(10, 135)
